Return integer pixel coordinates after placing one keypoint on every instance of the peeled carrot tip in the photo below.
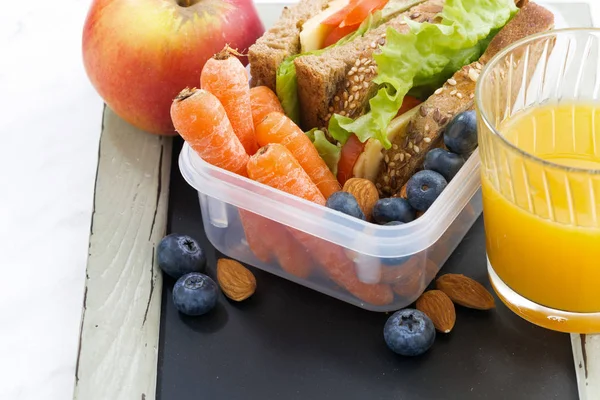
(226, 53)
(273, 114)
(263, 150)
(185, 93)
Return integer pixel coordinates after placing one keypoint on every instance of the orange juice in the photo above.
(542, 221)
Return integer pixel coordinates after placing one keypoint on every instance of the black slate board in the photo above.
(289, 342)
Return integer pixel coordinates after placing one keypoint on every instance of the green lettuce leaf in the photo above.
(425, 87)
(329, 152)
(422, 58)
(336, 131)
(286, 84)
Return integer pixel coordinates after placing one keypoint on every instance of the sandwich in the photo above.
(375, 82)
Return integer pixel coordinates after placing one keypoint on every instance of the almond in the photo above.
(236, 281)
(465, 291)
(365, 192)
(439, 308)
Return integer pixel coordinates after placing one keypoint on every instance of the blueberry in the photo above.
(393, 209)
(409, 332)
(179, 255)
(444, 162)
(423, 188)
(346, 203)
(394, 223)
(460, 135)
(195, 294)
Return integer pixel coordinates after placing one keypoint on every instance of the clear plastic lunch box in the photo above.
(405, 257)
(346, 257)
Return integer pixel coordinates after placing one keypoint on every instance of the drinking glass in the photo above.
(542, 217)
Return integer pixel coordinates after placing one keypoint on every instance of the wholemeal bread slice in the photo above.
(339, 79)
(426, 127)
(280, 41)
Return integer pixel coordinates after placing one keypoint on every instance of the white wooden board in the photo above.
(121, 311)
(586, 353)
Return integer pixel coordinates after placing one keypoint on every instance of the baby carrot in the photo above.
(278, 128)
(267, 238)
(201, 120)
(292, 256)
(275, 166)
(263, 101)
(341, 270)
(254, 227)
(225, 76)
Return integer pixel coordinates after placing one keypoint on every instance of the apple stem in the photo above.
(186, 3)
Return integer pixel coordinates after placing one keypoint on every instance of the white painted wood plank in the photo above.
(121, 311)
(586, 353)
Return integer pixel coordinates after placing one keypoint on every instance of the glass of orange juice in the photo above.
(538, 105)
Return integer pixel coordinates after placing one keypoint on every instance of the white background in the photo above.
(50, 120)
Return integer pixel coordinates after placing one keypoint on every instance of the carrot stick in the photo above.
(278, 128)
(263, 101)
(267, 238)
(273, 237)
(341, 270)
(254, 227)
(201, 120)
(292, 256)
(225, 76)
(275, 166)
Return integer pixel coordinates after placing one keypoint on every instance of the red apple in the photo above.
(139, 54)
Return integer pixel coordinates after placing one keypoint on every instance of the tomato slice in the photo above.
(337, 33)
(337, 18)
(361, 11)
(349, 18)
(408, 104)
(350, 153)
